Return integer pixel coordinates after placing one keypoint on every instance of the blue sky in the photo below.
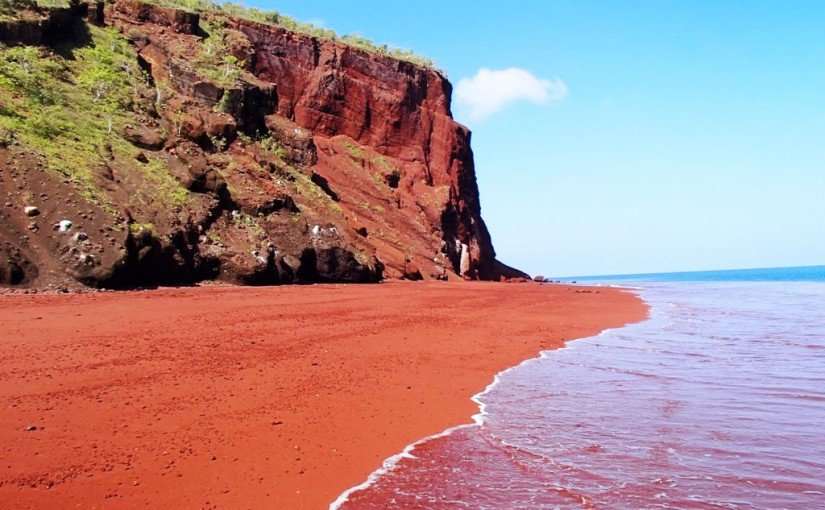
(645, 136)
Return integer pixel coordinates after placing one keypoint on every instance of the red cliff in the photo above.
(303, 159)
(399, 112)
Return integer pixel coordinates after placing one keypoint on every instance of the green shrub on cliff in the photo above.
(23, 70)
(68, 111)
(355, 151)
(271, 144)
(360, 42)
(214, 60)
(107, 75)
(65, 109)
(160, 187)
(36, 110)
(53, 3)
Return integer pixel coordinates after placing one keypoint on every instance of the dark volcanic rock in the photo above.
(334, 264)
(15, 269)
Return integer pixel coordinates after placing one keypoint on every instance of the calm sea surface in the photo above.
(717, 401)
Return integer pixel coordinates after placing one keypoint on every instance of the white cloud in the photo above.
(489, 91)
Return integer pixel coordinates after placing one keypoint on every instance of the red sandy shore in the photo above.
(225, 397)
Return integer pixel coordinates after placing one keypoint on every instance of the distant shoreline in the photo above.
(235, 397)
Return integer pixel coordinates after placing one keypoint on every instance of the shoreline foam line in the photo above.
(478, 419)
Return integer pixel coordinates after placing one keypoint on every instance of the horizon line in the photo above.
(623, 275)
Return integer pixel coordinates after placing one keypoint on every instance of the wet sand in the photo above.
(227, 397)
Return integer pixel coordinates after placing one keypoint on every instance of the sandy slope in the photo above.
(224, 397)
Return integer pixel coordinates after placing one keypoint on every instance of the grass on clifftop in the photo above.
(238, 10)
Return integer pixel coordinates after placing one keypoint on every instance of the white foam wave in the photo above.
(478, 420)
(390, 464)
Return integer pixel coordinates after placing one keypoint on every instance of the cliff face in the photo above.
(401, 113)
(298, 160)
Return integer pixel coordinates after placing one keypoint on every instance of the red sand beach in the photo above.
(226, 397)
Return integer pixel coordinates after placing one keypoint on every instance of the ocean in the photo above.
(716, 401)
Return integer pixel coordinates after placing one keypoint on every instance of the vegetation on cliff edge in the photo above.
(238, 10)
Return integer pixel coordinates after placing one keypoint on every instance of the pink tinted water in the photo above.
(717, 401)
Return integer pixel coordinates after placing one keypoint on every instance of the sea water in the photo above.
(716, 401)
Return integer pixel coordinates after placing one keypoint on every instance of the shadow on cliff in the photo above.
(77, 36)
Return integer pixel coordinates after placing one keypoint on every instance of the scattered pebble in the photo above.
(64, 225)
(31, 210)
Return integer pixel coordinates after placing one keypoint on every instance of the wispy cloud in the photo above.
(490, 91)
